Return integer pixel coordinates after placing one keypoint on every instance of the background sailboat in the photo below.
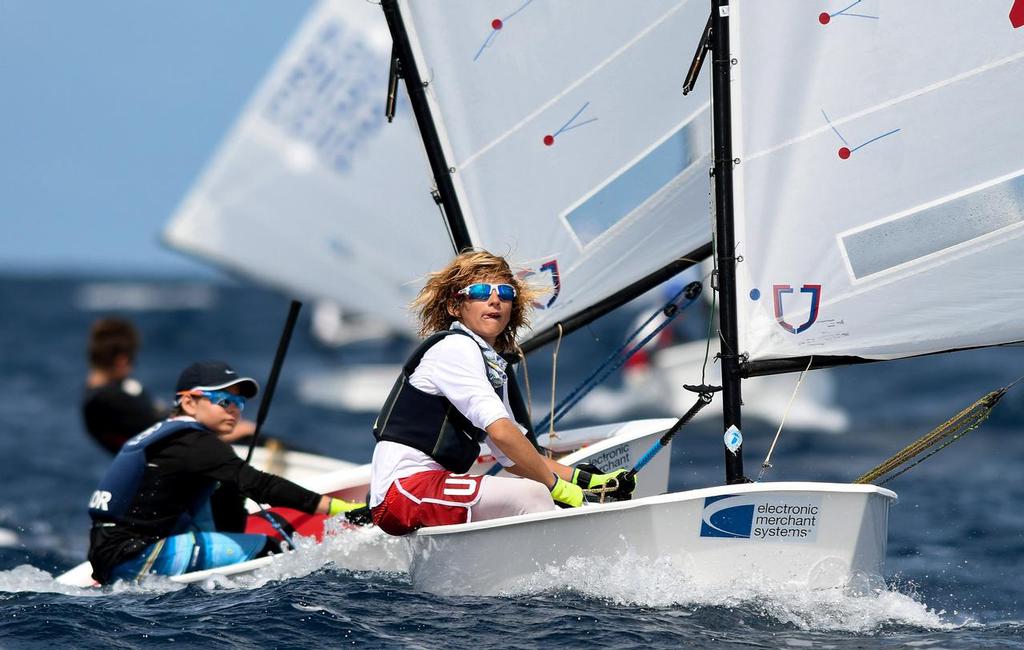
(309, 193)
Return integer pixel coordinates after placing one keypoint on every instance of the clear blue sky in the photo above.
(108, 111)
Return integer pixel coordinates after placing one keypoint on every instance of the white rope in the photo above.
(554, 374)
(766, 465)
(526, 381)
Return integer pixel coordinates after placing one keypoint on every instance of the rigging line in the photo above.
(554, 377)
(605, 368)
(707, 341)
(526, 381)
(447, 225)
(767, 464)
(952, 429)
(934, 451)
(1015, 382)
(714, 290)
(269, 517)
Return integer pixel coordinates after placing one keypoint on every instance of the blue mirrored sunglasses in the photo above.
(221, 398)
(482, 291)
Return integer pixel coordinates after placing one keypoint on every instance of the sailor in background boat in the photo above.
(451, 396)
(151, 511)
(115, 406)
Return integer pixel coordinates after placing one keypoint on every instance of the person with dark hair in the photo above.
(451, 396)
(151, 512)
(115, 406)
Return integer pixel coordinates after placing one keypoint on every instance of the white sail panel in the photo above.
(312, 191)
(880, 191)
(574, 149)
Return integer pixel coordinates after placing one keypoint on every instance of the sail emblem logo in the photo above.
(548, 280)
(779, 290)
(727, 518)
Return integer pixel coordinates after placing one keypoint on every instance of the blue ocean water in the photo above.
(956, 536)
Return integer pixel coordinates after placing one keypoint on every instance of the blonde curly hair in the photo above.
(438, 300)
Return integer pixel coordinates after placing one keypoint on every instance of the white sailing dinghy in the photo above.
(864, 193)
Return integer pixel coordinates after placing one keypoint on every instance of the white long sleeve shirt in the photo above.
(454, 368)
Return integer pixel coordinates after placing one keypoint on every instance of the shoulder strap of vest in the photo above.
(432, 340)
(159, 431)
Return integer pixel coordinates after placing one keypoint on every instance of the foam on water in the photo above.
(354, 549)
(634, 580)
(27, 578)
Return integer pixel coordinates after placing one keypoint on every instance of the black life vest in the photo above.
(120, 487)
(429, 423)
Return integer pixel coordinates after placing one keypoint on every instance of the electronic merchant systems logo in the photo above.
(793, 519)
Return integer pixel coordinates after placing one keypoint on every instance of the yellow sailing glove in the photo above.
(357, 513)
(566, 494)
(590, 477)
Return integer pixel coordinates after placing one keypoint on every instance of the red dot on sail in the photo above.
(844, 153)
(549, 140)
(824, 18)
(497, 24)
(1017, 14)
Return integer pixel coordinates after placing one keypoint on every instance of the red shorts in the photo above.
(431, 498)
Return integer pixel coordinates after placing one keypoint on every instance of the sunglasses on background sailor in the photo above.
(221, 398)
(483, 290)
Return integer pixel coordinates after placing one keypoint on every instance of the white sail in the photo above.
(573, 149)
(312, 191)
(880, 190)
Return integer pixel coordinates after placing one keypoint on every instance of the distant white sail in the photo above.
(313, 192)
(573, 148)
(880, 189)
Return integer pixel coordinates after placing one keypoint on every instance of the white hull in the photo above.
(841, 543)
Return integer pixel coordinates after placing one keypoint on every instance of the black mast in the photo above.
(725, 249)
(404, 63)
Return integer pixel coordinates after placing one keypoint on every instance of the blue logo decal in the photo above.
(723, 520)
